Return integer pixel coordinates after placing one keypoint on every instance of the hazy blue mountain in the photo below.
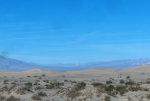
(118, 64)
(8, 64)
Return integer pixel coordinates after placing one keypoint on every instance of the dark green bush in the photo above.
(121, 89)
(80, 86)
(122, 81)
(54, 85)
(29, 84)
(97, 84)
(109, 82)
(42, 94)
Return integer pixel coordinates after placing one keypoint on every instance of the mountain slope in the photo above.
(8, 64)
(118, 64)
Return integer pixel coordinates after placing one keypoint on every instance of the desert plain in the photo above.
(85, 85)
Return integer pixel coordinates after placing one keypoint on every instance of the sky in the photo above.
(74, 31)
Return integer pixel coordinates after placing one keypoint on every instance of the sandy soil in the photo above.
(86, 85)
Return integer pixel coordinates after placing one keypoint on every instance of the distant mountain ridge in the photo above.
(8, 64)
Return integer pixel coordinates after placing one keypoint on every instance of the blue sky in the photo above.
(75, 31)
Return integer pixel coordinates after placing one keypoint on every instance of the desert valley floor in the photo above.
(86, 85)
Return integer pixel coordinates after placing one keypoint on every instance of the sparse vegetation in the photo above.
(122, 81)
(54, 85)
(42, 94)
(12, 98)
(148, 96)
(29, 84)
(73, 89)
(36, 97)
(107, 98)
(97, 84)
(109, 82)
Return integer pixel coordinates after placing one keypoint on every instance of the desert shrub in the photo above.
(73, 93)
(128, 77)
(148, 81)
(134, 88)
(43, 75)
(109, 88)
(28, 84)
(5, 81)
(12, 98)
(109, 82)
(22, 90)
(107, 98)
(28, 76)
(73, 82)
(97, 84)
(47, 81)
(36, 83)
(99, 91)
(2, 98)
(80, 86)
(49, 86)
(121, 89)
(122, 81)
(35, 76)
(39, 77)
(54, 85)
(130, 82)
(65, 80)
(14, 83)
(36, 97)
(39, 87)
(129, 99)
(42, 94)
(145, 89)
(148, 96)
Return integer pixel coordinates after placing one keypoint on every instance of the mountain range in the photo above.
(9, 64)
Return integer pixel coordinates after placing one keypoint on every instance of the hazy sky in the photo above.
(75, 31)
